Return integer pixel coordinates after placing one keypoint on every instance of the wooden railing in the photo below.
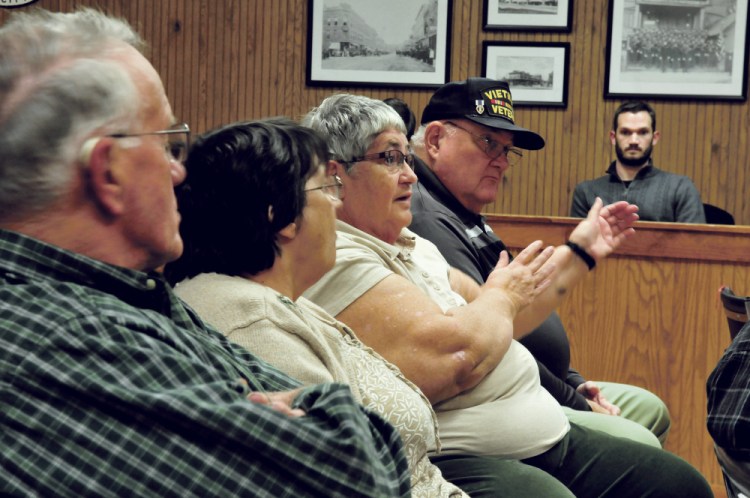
(650, 315)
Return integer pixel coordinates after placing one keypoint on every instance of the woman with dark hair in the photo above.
(258, 218)
(247, 183)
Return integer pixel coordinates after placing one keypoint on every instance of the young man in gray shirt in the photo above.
(660, 196)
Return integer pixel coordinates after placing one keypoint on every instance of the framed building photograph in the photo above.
(693, 49)
(536, 72)
(528, 15)
(392, 43)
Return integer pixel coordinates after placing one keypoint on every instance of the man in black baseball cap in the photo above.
(484, 101)
(467, 140)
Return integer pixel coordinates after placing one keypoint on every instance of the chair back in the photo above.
(717, 216)
(735, 308)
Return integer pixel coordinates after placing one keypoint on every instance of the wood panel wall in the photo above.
(650, 316)
(224, 60)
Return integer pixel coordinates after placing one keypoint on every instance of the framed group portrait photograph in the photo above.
(528, 15)
(385, 43)
(537, 73)
(677, 50)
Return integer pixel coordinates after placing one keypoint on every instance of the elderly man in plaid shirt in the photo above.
(109, 385)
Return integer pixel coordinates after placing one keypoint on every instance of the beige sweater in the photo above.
(307, 343)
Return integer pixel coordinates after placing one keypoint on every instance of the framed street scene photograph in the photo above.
(378, 43)
(693, 49)
(528, 15)
(536, 72)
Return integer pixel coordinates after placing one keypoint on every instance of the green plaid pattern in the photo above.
(728, 390)
(111, 386)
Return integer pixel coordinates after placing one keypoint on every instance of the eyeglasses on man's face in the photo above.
(393, 160)
(493, 148)
(332, 190)
(177, 144)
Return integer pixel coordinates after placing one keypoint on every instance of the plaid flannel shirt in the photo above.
(111, 386)
(728, 389)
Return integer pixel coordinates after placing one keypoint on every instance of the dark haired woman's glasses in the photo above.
(394, 160)
(332, 190)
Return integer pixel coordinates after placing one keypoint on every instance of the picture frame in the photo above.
(537, 73)
(703, 57)
(389, 43)
(528, 15)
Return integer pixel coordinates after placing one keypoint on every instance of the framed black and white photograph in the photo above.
(536, 72)
(677, 50)
(528, 15)
(392, 43)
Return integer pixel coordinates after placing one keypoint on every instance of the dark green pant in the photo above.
(488, 477)
(587, 463)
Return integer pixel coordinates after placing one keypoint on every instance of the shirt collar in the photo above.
(26, 258)
(645, 171)
(401, 249)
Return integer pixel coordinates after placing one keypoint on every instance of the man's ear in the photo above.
(433, 134)
(657, 137)
(103, 182)
(612, 137)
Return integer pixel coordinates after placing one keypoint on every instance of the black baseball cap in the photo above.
(484, 101)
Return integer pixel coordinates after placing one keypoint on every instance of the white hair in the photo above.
(59, 82)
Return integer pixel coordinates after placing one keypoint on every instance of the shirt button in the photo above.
(150, 284)
(425, 274)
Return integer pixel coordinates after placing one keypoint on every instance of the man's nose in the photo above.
(501, 162)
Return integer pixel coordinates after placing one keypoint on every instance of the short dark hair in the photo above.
(634, 106)
(403, 110)
(234, 175)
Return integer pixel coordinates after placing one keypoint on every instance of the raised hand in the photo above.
(605, 228)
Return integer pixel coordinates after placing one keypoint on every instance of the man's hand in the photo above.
(605, 228)
(279, 401)
(596, 399)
